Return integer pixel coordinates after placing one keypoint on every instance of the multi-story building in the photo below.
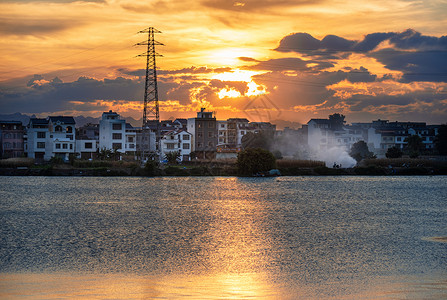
(62, 136)
(36, 144)
(11, 139)
(87, 141)
(177, 140)
(51, 137)
(204, 133)
(237, 128)
(112, 132)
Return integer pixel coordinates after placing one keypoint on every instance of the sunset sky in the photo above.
(264, 60)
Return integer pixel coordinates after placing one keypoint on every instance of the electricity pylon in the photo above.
(151, 112)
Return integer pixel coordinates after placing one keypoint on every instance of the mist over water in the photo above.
(223, 237)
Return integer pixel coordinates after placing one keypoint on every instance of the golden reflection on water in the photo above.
(121, 286)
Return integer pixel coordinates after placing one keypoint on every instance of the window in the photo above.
(58, 146)
(210, 134)
(222, 125)
(199, 145)
(210, 125)
(71, 146)
(64, 146)
(199, 125)
(117, 136)
(69, 136)
(170, 146)
(210, 144)
(116, 126)
(185, 146)
(186, 137)
(117, 145)
(130, 139)
(41, 145)
(58, 128)
(242, 132)
(131, 146)
(88, 145)
(199, 134)
(69, 129)
(41, 135)
(398, 139)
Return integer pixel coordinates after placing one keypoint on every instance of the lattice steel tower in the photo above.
(151, 113)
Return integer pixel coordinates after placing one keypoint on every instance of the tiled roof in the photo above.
(62, 119)
(38, 121)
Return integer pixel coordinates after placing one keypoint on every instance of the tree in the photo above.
(104, 154)
(172, 157)
(337, 121)
(151, 167)
(254, 160)
(393, 152)
(441, 140)
(360, 151)
(414, 145)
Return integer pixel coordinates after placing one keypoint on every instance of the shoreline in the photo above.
(197, 171)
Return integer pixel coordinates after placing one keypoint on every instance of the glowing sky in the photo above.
(259, 59)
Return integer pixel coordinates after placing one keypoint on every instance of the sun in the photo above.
(230, 56)
(236, 75)
(253, 89)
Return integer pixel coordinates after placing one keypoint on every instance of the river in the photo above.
(223, 237)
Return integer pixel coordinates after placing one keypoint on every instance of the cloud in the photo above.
(35, 25)
(255, 5)
(50, 1)
(418, 57)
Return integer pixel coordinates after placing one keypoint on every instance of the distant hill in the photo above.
(17, 117)
(281, 124)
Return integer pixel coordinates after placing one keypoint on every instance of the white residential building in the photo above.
(112, 132)
(51, 137)
(177, 140)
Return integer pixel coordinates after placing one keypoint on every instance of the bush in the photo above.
(393, 152)
(254, 160)
(16, 162)
(151, 168)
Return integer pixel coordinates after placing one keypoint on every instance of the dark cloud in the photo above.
(416, 66)
(42, 95)
(254, 5)
(290, 64)
(247, 59)
(35, 26)
(419, 57)
(50, 1)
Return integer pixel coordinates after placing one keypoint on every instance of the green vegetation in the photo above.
(172, 157)
(414, 145)
(393, 152)
(360, 151)
(254, 160)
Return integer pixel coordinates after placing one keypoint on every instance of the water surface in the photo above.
(223, 237)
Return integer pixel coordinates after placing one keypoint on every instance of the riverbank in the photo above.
(376, 167)
(205, 171)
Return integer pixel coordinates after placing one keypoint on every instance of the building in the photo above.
(11, 139)
(237, 128)
(177, 140)
(112, 132)
(50, 137)
(204, 133)
(87, 141)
